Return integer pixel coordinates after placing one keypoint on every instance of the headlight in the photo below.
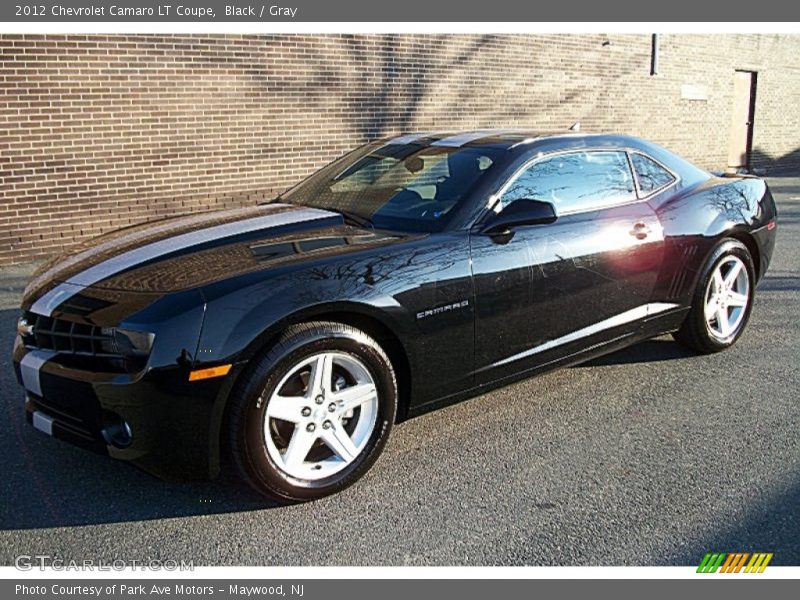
(128, 343)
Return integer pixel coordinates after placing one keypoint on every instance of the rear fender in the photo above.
(695, 221)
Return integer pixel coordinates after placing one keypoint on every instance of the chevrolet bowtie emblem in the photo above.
(24, 328)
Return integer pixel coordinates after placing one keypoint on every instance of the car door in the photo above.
(590, 274)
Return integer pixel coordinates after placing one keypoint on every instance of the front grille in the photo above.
(68, 337)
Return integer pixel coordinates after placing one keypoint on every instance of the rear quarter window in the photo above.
(650, 175)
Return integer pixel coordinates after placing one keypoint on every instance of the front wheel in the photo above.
(722, 301)
(311, 416)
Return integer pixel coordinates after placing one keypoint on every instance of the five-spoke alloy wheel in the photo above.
(727, 296)
(312, 414)
(321, 415)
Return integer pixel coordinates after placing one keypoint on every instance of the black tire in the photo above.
(250, 398)
(695, 332)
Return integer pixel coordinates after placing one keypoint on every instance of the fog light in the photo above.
(118, 434)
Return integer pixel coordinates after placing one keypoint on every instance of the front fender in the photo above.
(243, 344)
(238, 325)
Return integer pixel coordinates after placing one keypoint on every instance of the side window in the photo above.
(650, 174)
(576, 181)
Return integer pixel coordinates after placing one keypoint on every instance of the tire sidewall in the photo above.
(726, 248)
(261, 467)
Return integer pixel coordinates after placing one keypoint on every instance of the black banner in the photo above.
(209, 11)
(334, 589)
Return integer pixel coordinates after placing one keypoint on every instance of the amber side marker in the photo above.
(209, 373)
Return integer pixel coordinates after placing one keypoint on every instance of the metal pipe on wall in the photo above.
(654, 55)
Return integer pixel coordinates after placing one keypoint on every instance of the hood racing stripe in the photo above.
(126, 238)
(126, 260)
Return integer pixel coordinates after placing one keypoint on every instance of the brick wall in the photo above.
(100, 132)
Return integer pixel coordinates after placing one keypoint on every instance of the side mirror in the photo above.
(520, 212)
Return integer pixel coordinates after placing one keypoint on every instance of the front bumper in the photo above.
(157, 419)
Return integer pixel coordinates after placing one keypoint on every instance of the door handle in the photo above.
(640, 231)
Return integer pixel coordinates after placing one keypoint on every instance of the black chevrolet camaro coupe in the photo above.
(412, 272)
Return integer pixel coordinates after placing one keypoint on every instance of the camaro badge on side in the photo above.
(442, 309)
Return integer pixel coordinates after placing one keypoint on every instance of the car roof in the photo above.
(505, 138)
(521, 143)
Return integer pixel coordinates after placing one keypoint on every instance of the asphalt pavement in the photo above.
(649, 456)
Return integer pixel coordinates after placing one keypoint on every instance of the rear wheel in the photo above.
(722, 301)
(312, 415)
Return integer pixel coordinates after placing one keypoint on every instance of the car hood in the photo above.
(185, 252)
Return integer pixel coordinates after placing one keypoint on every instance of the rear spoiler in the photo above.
(729, 175)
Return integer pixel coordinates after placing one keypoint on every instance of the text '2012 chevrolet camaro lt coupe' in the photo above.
(412, 272)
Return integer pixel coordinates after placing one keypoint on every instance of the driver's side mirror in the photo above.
(520, 212)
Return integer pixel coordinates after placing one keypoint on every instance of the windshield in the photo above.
(402, 187)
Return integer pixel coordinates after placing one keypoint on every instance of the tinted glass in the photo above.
(405, 187)
(650, 174)
(576, 181)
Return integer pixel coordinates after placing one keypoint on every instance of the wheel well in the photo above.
(373, 327)
(752, 247)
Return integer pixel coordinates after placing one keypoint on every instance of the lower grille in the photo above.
(67, 427)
